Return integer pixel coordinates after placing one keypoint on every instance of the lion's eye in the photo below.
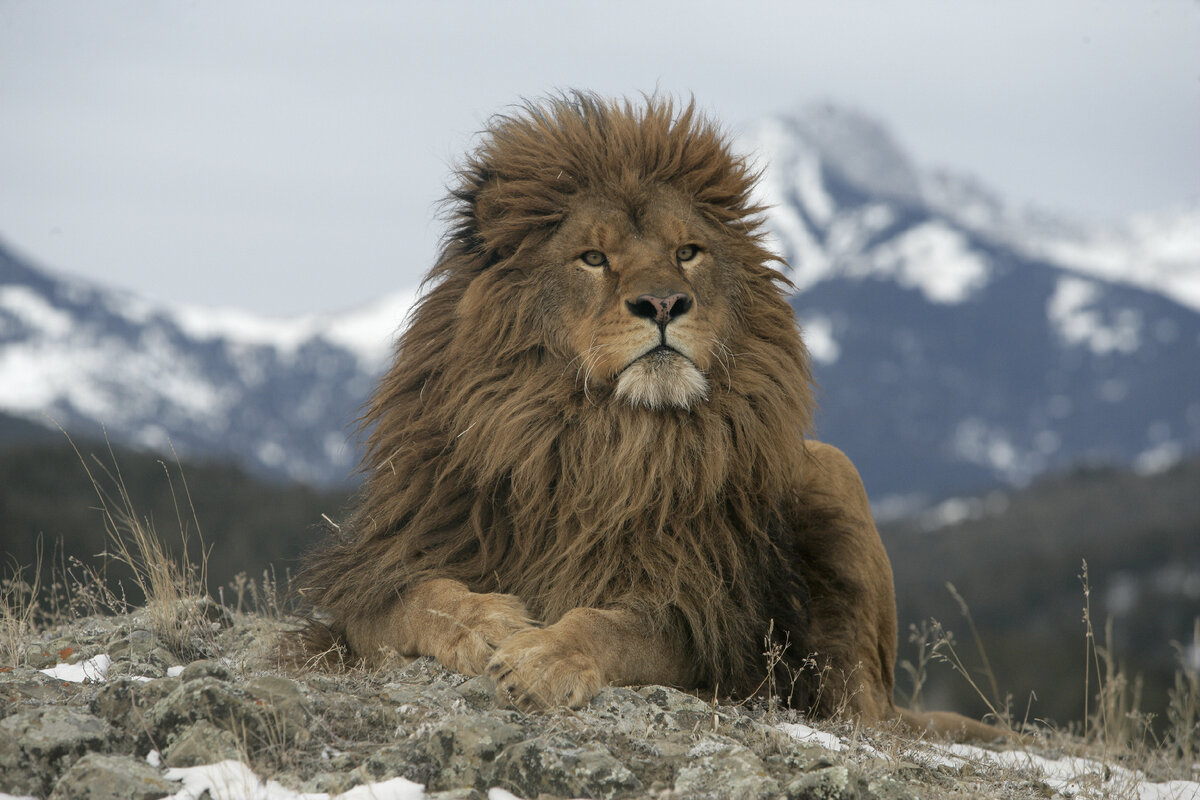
(594, 258)
(686, 253)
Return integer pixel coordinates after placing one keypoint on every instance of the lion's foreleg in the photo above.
(444, 619)
(568, 662)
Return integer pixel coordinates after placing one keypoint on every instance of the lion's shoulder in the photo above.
(831, 473)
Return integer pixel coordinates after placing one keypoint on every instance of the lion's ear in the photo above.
(493, 220)
(509, 211)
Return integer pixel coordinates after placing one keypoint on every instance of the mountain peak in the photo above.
(860, 148)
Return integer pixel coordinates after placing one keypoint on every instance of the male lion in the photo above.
(588, 464)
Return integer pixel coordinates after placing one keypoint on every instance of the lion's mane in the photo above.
(491, 462)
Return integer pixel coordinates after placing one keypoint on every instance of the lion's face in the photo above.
(636, 297)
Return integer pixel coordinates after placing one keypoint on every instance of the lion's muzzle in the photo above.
(662, 378)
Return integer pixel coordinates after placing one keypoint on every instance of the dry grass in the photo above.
(177, 605)
(263, 597)
(1182, 740)
(20, 610)
(1115, 731)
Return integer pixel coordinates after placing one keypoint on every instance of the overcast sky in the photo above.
(287, 157)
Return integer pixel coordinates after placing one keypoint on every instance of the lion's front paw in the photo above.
(540, 668)
(480, 624)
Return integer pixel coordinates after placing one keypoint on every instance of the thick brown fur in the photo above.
(534, 459)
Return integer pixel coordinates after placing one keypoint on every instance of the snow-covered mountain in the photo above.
(958, 341)
(278, 395)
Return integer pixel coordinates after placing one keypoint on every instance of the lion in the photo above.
(590, 463)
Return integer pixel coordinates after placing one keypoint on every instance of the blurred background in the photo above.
(214, 217)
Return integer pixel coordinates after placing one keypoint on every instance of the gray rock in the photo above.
(205, 669)
(125, 703)
(465, 750)
(402, 760)
(328, 731)
(560, 767)
(426, 671)
(829, 783)
(717, 767)
(674, 700)
(283, 708)
(478, 692)
(106, 777)
(888, 789)
(202, 743)
(24, 684)
(209, 699)
(39, 744)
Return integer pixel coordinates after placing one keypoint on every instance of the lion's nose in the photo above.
(659, 308)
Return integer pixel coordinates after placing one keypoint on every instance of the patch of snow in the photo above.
(271, 453)
(368, 332)
(131, 307)
(1068, 777)
(501, 794)
(850, 235)
(936, 259)
(93, 670)
(949, 512)
(807, 735)
(787, 160)
(960, 509)
(244, 327)
(174, 672)
(1157, 252)
(154, 758)
(791, 239)
(806, 176)
(1158, 458)
(33, 310)
(976, 442)
(1121, 595)
(1069, 309)
(371, 332)
(893, 507)
(233, 780)
(93, 378)
(817, 332)
(394, 789)
(4, 796)
(23, 388)
(153, 437)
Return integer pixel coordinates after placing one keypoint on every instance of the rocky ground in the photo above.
(143, 715)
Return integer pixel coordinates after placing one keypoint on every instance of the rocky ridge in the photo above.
(146, 718)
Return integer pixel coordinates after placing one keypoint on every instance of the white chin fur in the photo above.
(657, 382)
